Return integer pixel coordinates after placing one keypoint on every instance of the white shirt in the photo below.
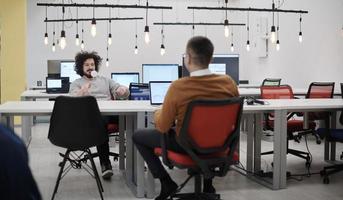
(201, 72)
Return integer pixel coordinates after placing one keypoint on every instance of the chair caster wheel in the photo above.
(115, 159)
(318, 141)
(326, 180)
(60, 164)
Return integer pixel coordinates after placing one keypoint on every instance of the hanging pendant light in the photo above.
(146, 28)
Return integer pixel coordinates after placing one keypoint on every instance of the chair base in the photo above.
(76, 162)
(196, 196)
(330, 170)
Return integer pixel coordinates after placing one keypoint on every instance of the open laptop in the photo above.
(57, 84)
(158, 90)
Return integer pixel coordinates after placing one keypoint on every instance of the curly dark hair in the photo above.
(82, 56)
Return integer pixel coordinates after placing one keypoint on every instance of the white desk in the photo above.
(134, 110)
(32, 95)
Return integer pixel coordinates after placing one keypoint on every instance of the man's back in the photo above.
(184, 90)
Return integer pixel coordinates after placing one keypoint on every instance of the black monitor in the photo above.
(160, 72)
(221, 64)
(125, 78)
(67, 70)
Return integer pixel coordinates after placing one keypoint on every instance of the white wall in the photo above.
(318, 58)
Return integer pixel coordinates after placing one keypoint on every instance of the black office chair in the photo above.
(271, 82)
(76, 124)
(332, 135)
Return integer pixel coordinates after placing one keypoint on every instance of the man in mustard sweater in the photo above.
(201, 84)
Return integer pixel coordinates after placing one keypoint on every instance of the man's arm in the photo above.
(118, 91)
(165, 118)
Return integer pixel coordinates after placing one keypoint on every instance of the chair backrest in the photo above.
(211, 126)
(76, 123)
(271, 82)
(321, 90)
(277, 92)
(139, 91)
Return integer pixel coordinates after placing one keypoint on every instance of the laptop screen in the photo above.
(158, 90)
(54, 83)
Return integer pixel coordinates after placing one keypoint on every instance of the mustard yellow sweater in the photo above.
(184, 90)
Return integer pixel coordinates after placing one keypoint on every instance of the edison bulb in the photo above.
(82, 45)
(277, 45)
(46, 39)
(232, 48)
(136, 50)
(93, 28)
(63, 43)
(53, 47)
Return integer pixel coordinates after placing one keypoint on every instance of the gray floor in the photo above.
(78, 184)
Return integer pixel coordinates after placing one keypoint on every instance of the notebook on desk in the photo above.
(57, 85)
(158, 90)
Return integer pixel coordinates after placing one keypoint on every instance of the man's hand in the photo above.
(84, 89)
(121, 91)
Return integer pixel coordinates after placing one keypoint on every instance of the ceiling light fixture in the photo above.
(232, 47)
(93, 24)
(77, 37)
(273, 29)
(146, 29)
(53, 48)
(163, 48)
(109, 39)
(300, 30)
(248, 30)
(226, 22)
(46, 38)
(63, 42)
(82, 42)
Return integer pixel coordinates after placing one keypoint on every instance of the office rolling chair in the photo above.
(332, 135)
(286, 92)
(319, 90)
(76, 124)
(209, 136)
(271, 82)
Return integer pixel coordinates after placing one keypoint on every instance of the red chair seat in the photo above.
(112, 128)
(186, 161)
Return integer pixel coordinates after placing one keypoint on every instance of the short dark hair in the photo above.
(201, 50)
(82, 56)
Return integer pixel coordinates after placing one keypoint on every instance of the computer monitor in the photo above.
(221, 64)
(57, 85)
(160, 72)
(125, 78)
(139, 91)
(67, 70)
(158, 90)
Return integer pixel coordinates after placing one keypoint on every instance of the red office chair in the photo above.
(209, 135)
(315, 91)
(286, 92)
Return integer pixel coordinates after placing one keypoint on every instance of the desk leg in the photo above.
(257, 142)
(129, 154)
(121, 142)
(139, 162)
(333, 144)
(280, 149)
(250, 142)
(26, 125)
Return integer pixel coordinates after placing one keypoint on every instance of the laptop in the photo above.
(158, 90)
(57, 85)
